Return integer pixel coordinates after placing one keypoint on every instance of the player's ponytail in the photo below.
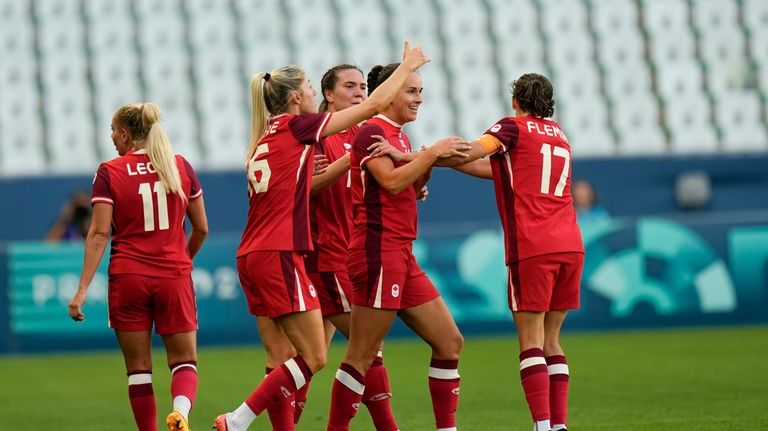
(141, 120)
(159, 150)
(379, 74)
(534, 94)
(270, 95)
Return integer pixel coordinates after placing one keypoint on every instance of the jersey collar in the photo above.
(389, 120)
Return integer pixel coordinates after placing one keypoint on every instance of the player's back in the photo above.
(278, 185)
(532, 177)
(148, 235)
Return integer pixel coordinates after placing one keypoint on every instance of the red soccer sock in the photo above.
(444, 388)
(535, 380)
(183, 386)
(279, 385)
(142, 398)
(348, 388)
(376, 396)
(281, 413)
(558, 388)
(300, 399)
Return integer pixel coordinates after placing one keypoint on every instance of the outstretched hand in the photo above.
(451, 146)
(320, 164)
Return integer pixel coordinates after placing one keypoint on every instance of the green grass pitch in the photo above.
(711, 379)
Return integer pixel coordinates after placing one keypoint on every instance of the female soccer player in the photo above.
(342, 86)
(145, 193)
(277, 234)
(544, 249)
(386, 279)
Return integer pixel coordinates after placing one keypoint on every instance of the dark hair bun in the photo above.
(373, 78)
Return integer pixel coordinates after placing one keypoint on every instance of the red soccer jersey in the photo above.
(148, 234)
(278, 185)
(382, 221)
(531, 175)
(331, 210)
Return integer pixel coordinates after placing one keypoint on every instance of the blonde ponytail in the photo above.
(270, 96)
(159, 150)
(260, 115)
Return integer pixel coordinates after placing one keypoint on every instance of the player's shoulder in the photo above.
(370, 128)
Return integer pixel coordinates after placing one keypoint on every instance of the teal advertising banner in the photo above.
(641, 272)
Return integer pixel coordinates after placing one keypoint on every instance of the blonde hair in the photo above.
(270, 95)
(141, 120)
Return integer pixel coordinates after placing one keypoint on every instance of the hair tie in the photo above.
(267, 76)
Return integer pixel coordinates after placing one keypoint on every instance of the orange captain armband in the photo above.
(490, 143)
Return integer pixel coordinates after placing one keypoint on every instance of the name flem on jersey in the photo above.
(140, 168)
(547, 130)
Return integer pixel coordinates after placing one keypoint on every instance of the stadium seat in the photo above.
(637, 125)
(679, 80)
(614, 18)
(70, 131)
(261, 35)
(417, 22)
(363, 27)
(225, 135)
(738, 116)
(626, 83)
(689, 123)
(755, 14)
(115, 84)
(21, 137)
(563, 20)
(665, 16)
(576, 84)
(621, 52)
(566, 54)
(476, 95)
(715, 16)
(585, 123)
(672, 49)
(513, 21)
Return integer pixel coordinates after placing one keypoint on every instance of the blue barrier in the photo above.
(638, 272)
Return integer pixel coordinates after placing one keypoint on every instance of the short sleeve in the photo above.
(506, 131)
(195, 190)
(308, 128)
(365, 139)
(102, 192)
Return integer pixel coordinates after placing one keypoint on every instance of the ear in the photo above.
(125, 136)
(328, 96)
(295, 97)
(515, 106)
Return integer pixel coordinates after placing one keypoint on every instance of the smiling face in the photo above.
(350, 89)
(405, 106)
(121, 138)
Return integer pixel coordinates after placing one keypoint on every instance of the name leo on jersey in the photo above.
(548, 130)
(140, 168)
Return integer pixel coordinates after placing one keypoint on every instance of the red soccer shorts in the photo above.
(548, 282)
(389, 280)
(334, 290)
(275, 283)
(135, 301)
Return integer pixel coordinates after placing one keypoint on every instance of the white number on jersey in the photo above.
(546, 168)
(149, 206)
(259, 185)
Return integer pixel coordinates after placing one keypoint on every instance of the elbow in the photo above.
(201, 231)
(394, 188)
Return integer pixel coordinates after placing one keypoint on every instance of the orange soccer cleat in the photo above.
(176, 422)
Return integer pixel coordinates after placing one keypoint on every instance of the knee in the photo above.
(450, 347)
(277, 354)
(316, 361)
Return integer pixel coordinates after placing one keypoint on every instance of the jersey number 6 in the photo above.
(260, 183)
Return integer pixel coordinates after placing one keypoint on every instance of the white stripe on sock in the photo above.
(443, 374)
(347, 380)
(529, 362)
(139, 379)
(182, 405)
(298, 376)
(178, 367)
(558, 369)
(447, 429)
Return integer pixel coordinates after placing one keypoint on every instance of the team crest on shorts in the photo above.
(395, 290)
(312, 291)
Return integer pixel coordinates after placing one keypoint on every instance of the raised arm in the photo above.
(413, 58)
(95, 244)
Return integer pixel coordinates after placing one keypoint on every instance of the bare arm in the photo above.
(413, 58)
(334, 171)
(199, 222)
(480, 168)
(95, 244)
(475, 152)
(395, 180)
